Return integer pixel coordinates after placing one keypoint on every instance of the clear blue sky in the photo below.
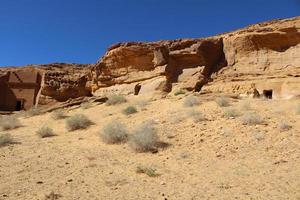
(79, 31)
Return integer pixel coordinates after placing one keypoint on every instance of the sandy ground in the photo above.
(218, 158)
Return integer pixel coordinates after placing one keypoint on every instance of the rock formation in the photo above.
(262, 58)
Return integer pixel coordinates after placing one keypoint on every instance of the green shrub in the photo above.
(45, 132)
(59, 114)
(130, 110)
(5, 139)
(78, 121)
(231, 113)
(115, 99)
(9, 122)
(222, 101)
(251, 119)
(191, 101)
(196, 115)
(144, 138)
(114, 132)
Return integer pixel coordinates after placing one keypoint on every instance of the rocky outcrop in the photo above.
(64, 81)
(189, 61)
(264, 56)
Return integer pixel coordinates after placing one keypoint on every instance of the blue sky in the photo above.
(79, 31)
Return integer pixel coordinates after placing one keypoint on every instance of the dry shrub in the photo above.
(196, 115)
(144, 138)
(45, 132)
(231, 113)
(129, 110)
(78, 121)
(251, 119)
(9, 122)
(150, 171)
(59, 114)
(222, 101)
(284, 126)
(33, 112)
(5, 139)
(115, 99)
(114, 132)
(191, 101)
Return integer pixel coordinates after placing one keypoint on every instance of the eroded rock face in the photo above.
(261, 57)
(138, 63)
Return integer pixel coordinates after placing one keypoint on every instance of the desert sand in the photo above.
(217, 158)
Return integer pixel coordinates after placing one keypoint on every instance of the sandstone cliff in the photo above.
(264, 56)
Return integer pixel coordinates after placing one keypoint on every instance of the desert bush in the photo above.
(150, 171)
(284, 126)
(222, 101)
(191, 101)
(5, 139)
(129, 110)
(59, 114)
(45, 132)
(144, 138)
(86, 105)
(196, 115)
(78, 121)
(231, 112)
(179, 92)
(251, 119)
(115, 99)
(114, 132)
(9, 122)
(33, 112)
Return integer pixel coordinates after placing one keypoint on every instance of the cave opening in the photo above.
(268, 94)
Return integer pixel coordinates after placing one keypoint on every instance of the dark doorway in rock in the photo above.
(137, 89)
(268, 94)
(19, 104)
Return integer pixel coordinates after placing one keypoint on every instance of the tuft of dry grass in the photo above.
(78, 121)
(144, 138)
(150, 171)
(115, 99)
(191, 101)
(251, 119)
(59, 114)
(9, 122)
(196, 116)
(34, 111)
(222, 101)
(129, 110)
(45, 132)
(114, 132)
(284, 126)
(231, 113)
(5, 139)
